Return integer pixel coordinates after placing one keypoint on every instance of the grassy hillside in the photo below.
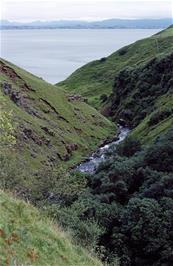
(97, 77)
(51, 128)
(28, 238)
(162, 117)
(143, 97)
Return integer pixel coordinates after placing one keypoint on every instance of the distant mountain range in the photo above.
(76, 24)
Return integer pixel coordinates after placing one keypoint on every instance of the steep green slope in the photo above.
(29, 238)
(158, 122)
(51, 128)
(142, 97)
(97, 77)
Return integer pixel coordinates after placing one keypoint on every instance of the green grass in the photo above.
(97, 77)
(147, 133)
(69, 122)
(29, 238)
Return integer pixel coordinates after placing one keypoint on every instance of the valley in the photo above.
(116, 203)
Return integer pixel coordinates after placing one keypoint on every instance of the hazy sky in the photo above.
(28, 10)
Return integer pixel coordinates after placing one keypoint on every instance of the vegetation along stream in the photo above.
(91, 164)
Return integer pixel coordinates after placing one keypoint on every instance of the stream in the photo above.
(91, 164)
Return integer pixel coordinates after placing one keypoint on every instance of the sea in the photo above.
(53, 54)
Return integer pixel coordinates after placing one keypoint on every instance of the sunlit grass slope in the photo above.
(29, 238)
(51, 129)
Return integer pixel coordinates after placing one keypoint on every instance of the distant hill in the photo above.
(76, 24)
(96, 79)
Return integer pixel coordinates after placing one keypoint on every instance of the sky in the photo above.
(90, 10)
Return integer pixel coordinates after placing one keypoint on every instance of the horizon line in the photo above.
(83, 20)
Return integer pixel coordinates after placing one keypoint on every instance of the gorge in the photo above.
(119, 202)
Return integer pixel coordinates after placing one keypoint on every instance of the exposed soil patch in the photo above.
(11, 73)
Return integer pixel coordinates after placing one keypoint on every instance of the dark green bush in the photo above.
(122, 51)
(103, 59)
(103, 98)
(129, 147)
(131, 201)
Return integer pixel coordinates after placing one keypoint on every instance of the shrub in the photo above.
(103, 98)
(7, 138)
(122, 51)
(129, 147)
(103, 59)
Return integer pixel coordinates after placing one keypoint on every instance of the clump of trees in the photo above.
(137, 88)
(126, 211)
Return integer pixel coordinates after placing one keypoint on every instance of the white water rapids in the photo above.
(91, 164)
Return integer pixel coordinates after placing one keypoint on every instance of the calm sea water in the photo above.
(55, 54)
